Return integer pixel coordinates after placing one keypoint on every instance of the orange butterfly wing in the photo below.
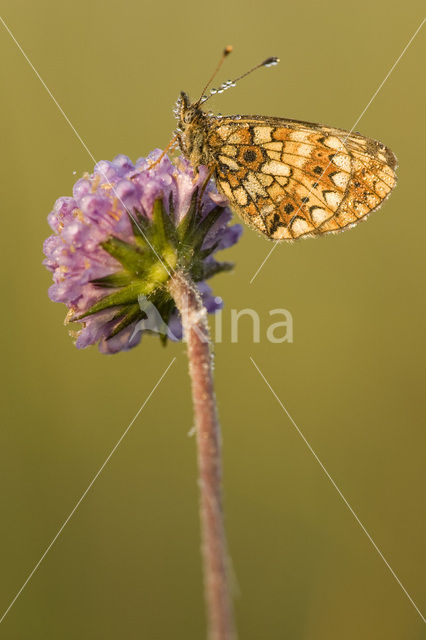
(289, 179)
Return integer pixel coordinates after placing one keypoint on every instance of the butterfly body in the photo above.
(192, 132)
(288, 178)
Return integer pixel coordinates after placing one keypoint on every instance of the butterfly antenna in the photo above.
(269, 62)
(227, 50)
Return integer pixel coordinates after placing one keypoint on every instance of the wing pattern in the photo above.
(289, 179)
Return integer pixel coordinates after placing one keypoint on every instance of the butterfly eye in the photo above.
(188, 117)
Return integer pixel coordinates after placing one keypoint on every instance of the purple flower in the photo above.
(119, 238)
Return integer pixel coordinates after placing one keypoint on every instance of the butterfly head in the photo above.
(186, 112)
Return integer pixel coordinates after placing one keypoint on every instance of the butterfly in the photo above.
(286, 178)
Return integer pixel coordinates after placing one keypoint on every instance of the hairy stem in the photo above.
(215, 563)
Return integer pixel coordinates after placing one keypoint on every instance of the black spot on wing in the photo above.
(249, 155)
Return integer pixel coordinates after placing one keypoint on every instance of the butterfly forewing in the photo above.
(289, 179)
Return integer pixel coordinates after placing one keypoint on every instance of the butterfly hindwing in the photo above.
(289, 179)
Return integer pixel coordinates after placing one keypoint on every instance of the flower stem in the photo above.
(216, 580)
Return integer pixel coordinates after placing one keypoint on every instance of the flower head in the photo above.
(120, 237)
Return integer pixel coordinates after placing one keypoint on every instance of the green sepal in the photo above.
(163, 230)
(165, 306)
(132, 313)
(127, 295)
(200, 232)
(216, 267)
(188, 223)
(171, 206)
(131, 257)
(204, 253)
(140, 227)
(117, 279)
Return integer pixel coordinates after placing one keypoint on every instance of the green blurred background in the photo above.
(127, 565)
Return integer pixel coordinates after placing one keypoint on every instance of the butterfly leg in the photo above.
(169, 146)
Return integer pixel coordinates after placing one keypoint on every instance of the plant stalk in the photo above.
(220, 618)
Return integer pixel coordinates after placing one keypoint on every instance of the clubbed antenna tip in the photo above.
(270, 62)
(227, 50)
